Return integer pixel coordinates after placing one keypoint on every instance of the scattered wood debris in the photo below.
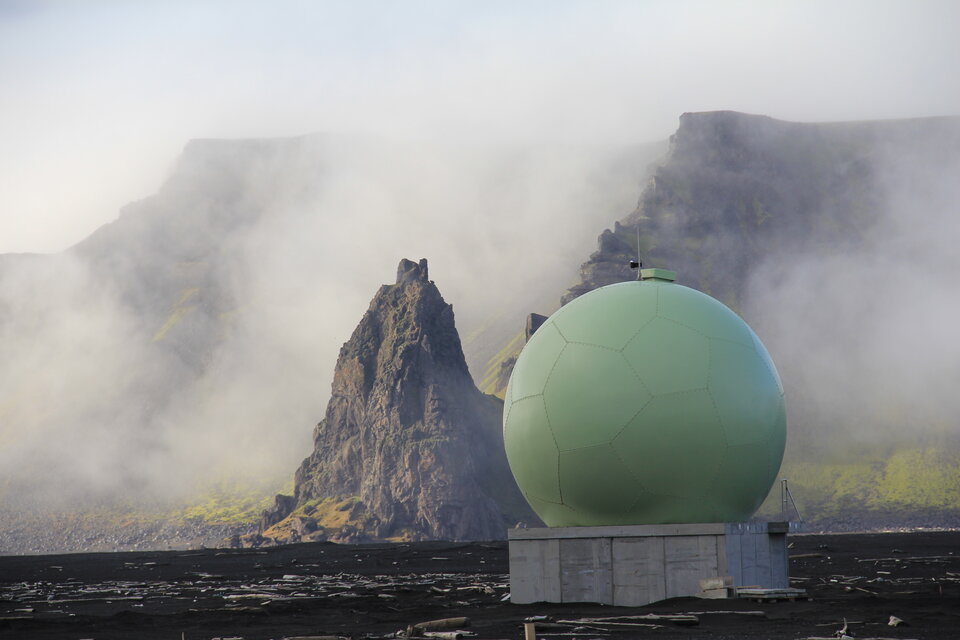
(649, 620)
(920, 559)
(718, 587)
(206, 592)
(437, 628)
(351, 604)
(772, 595)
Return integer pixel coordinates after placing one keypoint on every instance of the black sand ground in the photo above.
(375, 590)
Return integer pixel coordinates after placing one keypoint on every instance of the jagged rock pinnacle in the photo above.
(408, 448)
(410, 271)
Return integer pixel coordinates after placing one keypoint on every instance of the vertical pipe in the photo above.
(783, 499)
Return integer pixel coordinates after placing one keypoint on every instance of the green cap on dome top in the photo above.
(658, 274)
(644, 403)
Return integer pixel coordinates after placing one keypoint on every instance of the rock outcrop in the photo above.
(409, 448)
(737, 188)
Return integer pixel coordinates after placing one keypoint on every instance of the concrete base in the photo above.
(638, 564)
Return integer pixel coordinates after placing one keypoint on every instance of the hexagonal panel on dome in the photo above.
(669, 357)
(675, 444)
(536, 361)
(702, 313)
(590, 395)
(745, 392)
(610, 316)
(531, 449)
(743, 482)
(596, 483)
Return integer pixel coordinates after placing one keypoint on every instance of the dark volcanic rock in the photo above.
(408, 444)
(534, 321)
(609, 264)
(409, 271)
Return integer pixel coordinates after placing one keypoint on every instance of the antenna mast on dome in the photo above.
(637, 264)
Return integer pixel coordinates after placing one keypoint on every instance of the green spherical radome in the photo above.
(644, 403)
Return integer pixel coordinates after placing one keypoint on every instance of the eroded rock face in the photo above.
(408, 444)
(736, 189)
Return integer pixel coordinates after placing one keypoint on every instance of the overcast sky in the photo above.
(98, 97)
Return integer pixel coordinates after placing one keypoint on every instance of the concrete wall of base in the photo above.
(638, 564)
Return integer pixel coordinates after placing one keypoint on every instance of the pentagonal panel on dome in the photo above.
(743, 482)
(536, 361)
(590, 395)
(745, 392)
(702, 313)
(669, 357)
(531, 450)
(609, 316)
(597, 484)
(675, 444)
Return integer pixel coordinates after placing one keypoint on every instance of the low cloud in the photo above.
(865, 335)
(194, 340)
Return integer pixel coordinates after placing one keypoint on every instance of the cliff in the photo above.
(735, 189)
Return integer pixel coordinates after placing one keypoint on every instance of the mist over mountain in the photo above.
(156, 358)
(187, 347)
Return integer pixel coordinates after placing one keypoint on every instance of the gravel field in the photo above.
(376, 591)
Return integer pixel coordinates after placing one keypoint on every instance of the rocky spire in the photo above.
(410, 271)
(408, 448)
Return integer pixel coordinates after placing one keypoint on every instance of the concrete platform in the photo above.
(638, 564)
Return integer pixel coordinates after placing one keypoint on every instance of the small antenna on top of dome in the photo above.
(637, 264)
